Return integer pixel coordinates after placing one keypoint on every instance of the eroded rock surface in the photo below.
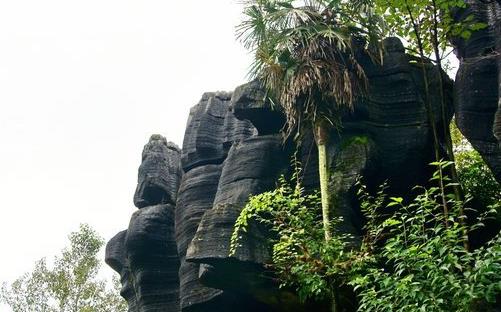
(175, 254)
(477, 86)
(145, 255)
(266, 159)
(116, 258)
(211, 131)
(249, 102)
(159, 173)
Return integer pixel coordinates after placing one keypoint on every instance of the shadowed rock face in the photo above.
(153, 261)
(249, 102)
(116, 258)
(477, 86)
(394, 117)
(196, 196)
(211, 130)
(266, 159)
(210, 133)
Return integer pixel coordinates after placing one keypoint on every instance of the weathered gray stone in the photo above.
(477, 86)
(154, 263)
(145, 254)
(116, 258)
(196, 195)
(249, 102)
(394, 116)
(211, 130)
(266, 159)
(159, 173)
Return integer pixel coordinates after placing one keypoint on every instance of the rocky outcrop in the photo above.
(116, 258)
(153, 262)
(249, 102)
(145, 255)
(175, 253)
(266, 159)
(211, 131)
(477, 85)
(159, 173)
(388, 136)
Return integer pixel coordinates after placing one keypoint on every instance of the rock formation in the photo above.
(175, 254)
(145, 255)
(478, 83)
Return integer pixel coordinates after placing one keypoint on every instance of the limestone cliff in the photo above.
(174, 256)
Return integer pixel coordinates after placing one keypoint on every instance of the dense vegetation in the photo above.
(415, 255)
(411, 259)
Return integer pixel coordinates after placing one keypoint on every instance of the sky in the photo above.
(83, 84)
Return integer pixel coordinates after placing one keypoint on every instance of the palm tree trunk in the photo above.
(323, 171)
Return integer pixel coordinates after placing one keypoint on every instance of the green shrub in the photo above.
(420, 262)
(301, 258)
(476, 178)
(414, 259)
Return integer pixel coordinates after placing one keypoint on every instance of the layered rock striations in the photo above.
(211, 131)
(175, 254)
(478, 82)
(145, 255)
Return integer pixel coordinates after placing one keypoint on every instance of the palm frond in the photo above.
(304, 54)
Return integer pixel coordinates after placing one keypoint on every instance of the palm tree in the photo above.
(305, 57)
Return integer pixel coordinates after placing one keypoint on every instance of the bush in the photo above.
(477, 179)
(422, 262)
(414, 259)
(300, 256)
(475, 176)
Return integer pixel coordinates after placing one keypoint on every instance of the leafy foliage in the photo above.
(426, 23)
(412, 258)
(474, 174)
(305, 53)
(419, 262)
(477, 178)
(301, 258)
(70, 285)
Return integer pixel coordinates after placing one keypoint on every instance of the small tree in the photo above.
(71, 285)
(305, 56)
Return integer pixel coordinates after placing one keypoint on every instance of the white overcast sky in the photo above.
(83, 84)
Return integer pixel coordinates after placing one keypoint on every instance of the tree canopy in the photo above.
(70, 285)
